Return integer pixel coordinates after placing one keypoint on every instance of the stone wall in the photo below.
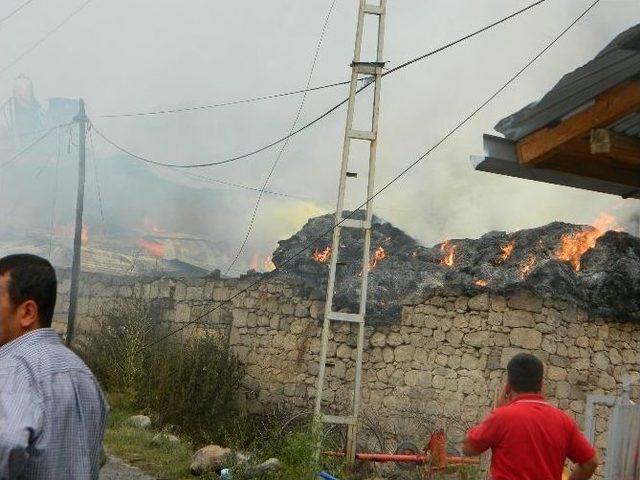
(439, 366)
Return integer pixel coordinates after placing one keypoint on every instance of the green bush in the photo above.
(115, 349)
(189, 385)
(192, 386)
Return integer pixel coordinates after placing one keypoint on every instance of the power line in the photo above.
(30, 146)
(11, 14)
(325, 114)
(387, 185)
(224, 104)
(286, 142)
(238, 185)
(44, 38)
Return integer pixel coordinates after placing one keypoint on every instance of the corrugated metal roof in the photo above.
(618, 62)
(500, 157)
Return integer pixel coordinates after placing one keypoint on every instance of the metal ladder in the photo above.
(374, 71)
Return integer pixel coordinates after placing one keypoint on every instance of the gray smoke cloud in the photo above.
(136, 56)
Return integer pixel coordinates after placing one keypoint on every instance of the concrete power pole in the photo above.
(81, 119)
(371, 69)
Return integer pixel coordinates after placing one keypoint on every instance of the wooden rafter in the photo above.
(608, 107)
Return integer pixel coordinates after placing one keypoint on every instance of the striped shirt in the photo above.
(52, 411)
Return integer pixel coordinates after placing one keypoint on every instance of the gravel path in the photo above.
(116, 469)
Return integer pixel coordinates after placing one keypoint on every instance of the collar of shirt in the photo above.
(39, 335)
(529, 398)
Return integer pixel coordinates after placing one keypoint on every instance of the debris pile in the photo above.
(593, 267)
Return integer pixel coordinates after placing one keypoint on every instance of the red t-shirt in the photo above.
(530, 440)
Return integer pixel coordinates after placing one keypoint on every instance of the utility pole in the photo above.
(368, 69)
(81, 119)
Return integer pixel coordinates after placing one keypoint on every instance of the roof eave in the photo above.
(500, 157)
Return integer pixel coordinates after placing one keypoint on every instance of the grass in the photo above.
(133, 445)
(294, 449)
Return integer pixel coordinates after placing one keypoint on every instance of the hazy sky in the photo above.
(137, 55)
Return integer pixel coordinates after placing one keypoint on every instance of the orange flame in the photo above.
(322, 256)
(481, 283)
(449, 252)
(378, 256)
(506, 251)
(154, 248)
(573, 246)
(526, 267)
(268, 264)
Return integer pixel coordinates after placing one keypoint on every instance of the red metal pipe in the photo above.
(418, 459)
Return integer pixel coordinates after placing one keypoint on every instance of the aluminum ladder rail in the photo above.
(374, 72)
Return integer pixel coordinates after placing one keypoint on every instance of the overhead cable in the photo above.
(285, 143)
(14, 11)
(403, 172)
(324, 115)
(44, 38)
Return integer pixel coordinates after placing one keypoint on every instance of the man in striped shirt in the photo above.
(52, 411)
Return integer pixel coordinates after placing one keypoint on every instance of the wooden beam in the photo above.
(574, 157)
(623, 149)
(608, 107)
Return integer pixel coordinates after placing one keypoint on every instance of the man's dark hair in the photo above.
(524, 373)
(31, 278)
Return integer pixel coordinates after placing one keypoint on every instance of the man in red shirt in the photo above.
(529, 438)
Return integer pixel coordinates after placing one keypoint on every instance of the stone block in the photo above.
(404, 353)
(394, 339)
(528, 338)
(524, 300)
(606, 382)
(556, 373)
(479, 302)
(378, 339)
(477, 339)
(498, 303)
(518, 318)
(461, 304)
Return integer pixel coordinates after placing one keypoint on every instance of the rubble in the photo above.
(594, 269)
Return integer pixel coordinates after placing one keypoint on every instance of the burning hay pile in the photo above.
(594, 267)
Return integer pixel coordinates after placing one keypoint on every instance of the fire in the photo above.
(378, 256)
(322, 256)
(449, 251)
(154, 248)
(481, 283)
(573, 246)
(506, 251)
(268, 264)
(526, 267)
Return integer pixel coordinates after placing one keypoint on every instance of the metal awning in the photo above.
(500, 157)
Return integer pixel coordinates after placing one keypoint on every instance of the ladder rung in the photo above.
(341, 264)
(352, 223)
(373, 9)
(362, 135)
(352, 174)
(339, 419)
(346, 317)
(368, 68)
